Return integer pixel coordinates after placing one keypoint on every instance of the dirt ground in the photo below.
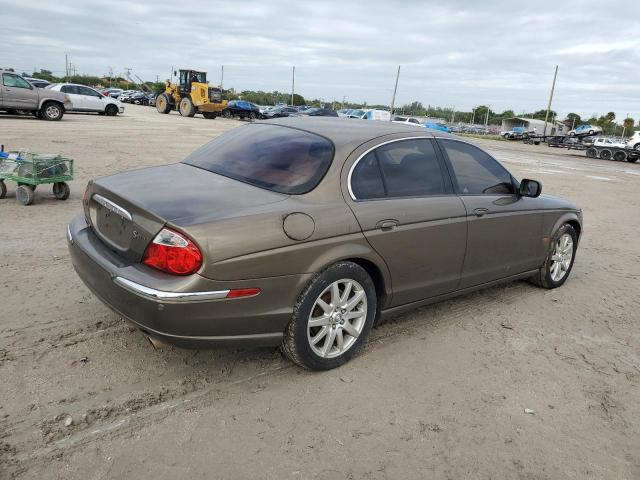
(439, 392)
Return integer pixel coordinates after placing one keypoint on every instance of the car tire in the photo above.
(637, 147)
(3, 189)
(572, 134)
(111, 110)
(620, 156)
(61, 190)
(591, 132)
(342, 302)
(592, 152)
(226, 114)
(253, 116)
(632, 159)
(186, 107)
(605, 154)
(52, 111)
(549, 275)
(209, 115)
(25, 195)
(163, 103)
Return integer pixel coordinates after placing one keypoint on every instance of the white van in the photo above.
(376, 115)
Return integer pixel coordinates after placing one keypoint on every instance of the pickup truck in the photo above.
(17, 94)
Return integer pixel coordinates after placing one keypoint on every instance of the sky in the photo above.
(452, 53)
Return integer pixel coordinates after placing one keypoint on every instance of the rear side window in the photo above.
(476, 172)
(406, 168)
(277, 158)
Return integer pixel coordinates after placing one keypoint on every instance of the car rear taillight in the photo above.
(173, 253)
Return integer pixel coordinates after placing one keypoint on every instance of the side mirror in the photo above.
(530, 188)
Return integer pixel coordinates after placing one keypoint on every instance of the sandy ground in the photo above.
(439, 392)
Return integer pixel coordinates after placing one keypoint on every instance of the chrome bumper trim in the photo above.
(170, 297)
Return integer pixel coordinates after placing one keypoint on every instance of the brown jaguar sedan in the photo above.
(303, 232)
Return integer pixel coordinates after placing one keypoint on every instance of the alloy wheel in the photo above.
(561, 258)
(337, 318)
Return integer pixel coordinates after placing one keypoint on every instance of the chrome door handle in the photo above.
(480, 212)
(387, 225)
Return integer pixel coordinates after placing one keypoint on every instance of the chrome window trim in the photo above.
(421, 137)
(170, 297)
(114, 207)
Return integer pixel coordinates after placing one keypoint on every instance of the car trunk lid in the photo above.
(127, 210)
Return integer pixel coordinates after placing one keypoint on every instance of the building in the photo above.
(534, 125)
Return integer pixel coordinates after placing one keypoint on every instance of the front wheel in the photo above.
(3, 189)
(332, 318)
(186, 107)
(227, 114)
(61, 190)
(111, 110)
(25, 195)
(559, 262)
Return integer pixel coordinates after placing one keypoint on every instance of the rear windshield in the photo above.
(277, 158)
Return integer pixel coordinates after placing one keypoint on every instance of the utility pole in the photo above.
(624, 126)
(473, 116)
(293, 82)
(66, 67)
(486, 118)
(395, 89)
(453, 114)
(546, 117)
(221, 76)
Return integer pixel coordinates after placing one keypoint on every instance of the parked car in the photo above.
(609, 142)
(437, 126)
(586, 130)
(125, 96)
(86, 99)
(37, 82)
(408, 120)
(320, 112)
(18, 94)
(634, 141)
(356, 113)
(112, 92)
(374, 114)
(139, 98)
(516, 133)
(344, 112)
(303, 232)
(278, 112)
(242, 109)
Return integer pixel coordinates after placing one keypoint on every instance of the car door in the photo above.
(402, 197)
(18, 93)
(77, 100)
(92, 100)
(504, 229)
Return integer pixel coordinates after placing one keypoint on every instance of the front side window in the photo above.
(16, 81)
(276, 158)
(406, 168)
(475, 171)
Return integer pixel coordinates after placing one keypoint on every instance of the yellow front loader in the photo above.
(191, 95)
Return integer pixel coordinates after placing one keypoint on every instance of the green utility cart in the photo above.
(29, 170)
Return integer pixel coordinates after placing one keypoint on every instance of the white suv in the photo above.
(634, 141)
(86, 99)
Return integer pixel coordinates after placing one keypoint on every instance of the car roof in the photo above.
(351, 132)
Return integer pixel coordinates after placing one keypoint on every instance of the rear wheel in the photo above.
(111, 110)
(620, 156)
(605, 154)
(637, 147)
(25, 195)
(592, 152)
(3, 189)
(332, 318)
(61, 190)
(52, 111)
(252, 115)
(559, 262)
(227, 114)
(632, 159)
(163, 103)
(186, 107)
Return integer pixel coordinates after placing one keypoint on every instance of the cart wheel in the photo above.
(25, 195)
(3, 189)
(32, 187)
(61, 190)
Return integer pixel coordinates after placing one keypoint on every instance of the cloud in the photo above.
(458, 52)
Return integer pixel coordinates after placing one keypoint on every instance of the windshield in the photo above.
(281, 159)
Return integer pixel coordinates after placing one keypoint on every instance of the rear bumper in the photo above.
(190, 311)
